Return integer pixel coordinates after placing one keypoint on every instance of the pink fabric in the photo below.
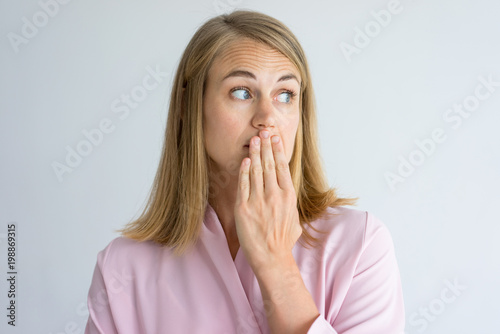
(353, 277)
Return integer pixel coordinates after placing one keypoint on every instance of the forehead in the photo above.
(251, 55)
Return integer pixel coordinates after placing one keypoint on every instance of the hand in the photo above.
(266, 216)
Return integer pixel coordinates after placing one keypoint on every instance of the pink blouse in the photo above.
(353, 277)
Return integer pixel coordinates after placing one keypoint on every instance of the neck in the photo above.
(222, 200)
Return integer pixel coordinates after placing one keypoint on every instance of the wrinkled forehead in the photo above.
(248, 54)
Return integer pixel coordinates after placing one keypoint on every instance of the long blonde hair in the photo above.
(179, 195)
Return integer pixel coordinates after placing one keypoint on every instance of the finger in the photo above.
(268, 164)
(244, 181)
(256, 182)
(282, 169)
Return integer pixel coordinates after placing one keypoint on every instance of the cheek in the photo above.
(213, 135)
(221, 129)
(211, 119)
(292, 126)
(288, 135)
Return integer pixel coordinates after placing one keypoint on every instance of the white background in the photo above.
(372, 107)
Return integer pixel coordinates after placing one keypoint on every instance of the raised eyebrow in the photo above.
(240, 73)
(247, 74)
(289, 76)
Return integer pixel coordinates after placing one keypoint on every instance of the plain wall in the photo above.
(382, 100)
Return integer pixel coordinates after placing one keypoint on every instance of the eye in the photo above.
(240, 93)
(286, 96)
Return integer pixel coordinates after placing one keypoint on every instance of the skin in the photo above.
(251, 189)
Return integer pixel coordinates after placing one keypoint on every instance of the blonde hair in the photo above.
(179, 195)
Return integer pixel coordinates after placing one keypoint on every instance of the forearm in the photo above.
(288, 304)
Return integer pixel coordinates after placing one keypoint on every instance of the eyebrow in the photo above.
(247, 74)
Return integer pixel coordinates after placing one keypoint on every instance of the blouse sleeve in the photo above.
(100, 319)
(374, 301)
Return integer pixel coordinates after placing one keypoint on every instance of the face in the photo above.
(250, 87)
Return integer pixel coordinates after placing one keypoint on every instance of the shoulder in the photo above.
(349, 222)
(123, 252)
(360, 282)
(350, 230)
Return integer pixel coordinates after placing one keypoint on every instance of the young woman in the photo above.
(241, 233)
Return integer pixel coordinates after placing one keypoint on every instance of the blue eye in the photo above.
(241, 93)
(286, 96)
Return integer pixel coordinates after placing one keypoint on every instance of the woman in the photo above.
(241, 233)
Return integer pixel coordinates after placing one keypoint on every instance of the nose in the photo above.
(264, 115)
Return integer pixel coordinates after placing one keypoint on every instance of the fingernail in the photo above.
(275, 139)
(256, 141)
(265, 134)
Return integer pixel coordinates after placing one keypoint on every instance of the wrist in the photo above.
(275, 267)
